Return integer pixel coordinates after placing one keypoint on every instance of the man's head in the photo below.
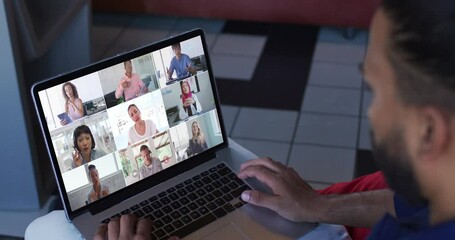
(176, 49)
(410, 68)
(93, 174)
(145, 154)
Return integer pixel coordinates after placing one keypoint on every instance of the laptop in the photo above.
(132, 158)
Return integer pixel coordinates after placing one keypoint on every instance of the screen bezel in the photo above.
(136, 188)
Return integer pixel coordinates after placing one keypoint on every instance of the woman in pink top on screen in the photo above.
(131, 85)
(141, 129)
(73, 104)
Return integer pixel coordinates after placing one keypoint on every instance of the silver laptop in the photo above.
(156, 148)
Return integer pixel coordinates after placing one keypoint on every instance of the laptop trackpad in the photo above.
(227, 232)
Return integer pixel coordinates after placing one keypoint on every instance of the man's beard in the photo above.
(392, 158)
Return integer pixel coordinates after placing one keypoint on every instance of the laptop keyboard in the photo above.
(191, 204)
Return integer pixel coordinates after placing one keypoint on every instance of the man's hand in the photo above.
(188, 102)
(292, 197)
(191, 70)
(126, 227)
(126, 84)
(77, 158)
(168, 73)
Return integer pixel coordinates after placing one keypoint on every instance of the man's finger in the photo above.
(101, 232)
(262, 174)
(113, 228)
(144, 227)
(265, 162)
(127, 223)
(260, 199)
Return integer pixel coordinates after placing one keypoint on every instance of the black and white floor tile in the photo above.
(291, 92)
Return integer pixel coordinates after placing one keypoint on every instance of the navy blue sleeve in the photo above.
(404, 209)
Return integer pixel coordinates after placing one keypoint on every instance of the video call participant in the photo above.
(189, 105)
(197, 143)
(98, 191)
(73, 104)
(84, 146)
(130, 85)
(151, 165)
(181, 63)
(141, 129)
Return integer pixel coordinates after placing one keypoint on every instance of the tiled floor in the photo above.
(314, 119)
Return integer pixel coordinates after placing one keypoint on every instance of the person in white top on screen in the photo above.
(141, 129)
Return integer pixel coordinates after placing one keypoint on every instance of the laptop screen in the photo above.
(121, 124)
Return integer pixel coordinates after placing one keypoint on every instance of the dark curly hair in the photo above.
(421, 50)
(73, 87)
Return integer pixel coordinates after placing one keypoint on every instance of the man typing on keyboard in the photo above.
(409, 66)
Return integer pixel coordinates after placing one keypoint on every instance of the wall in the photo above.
(213, 128)
(205, 96)
(15, 154)
(111, 77)
(343, 13)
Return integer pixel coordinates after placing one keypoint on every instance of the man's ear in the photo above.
(434, 132)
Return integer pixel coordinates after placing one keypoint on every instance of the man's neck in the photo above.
(442, 208)
(87, 156)
(441, 196)
(439, 188)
